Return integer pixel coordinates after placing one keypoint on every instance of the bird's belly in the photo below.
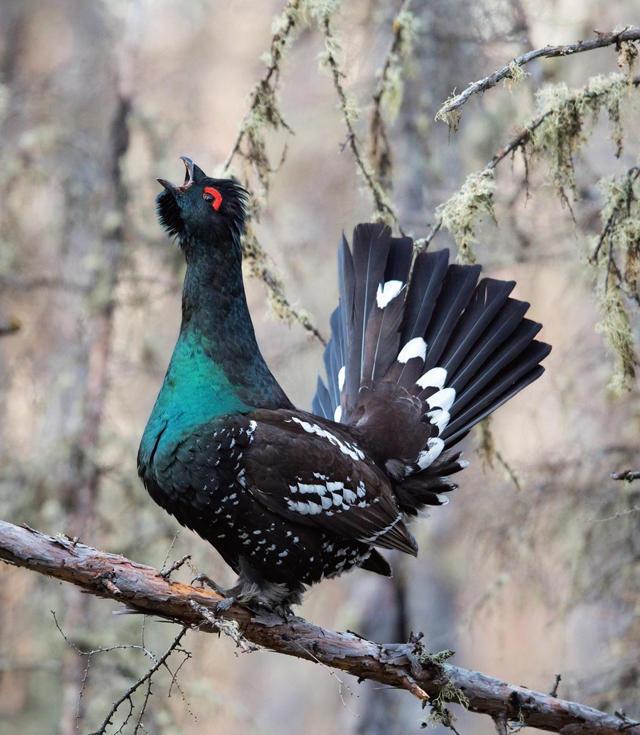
(283, 552)
(217, 506)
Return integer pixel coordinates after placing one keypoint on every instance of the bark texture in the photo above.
(402, 665)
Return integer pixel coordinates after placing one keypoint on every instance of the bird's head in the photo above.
(202, 208)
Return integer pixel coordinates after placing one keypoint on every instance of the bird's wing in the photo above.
(310, 471)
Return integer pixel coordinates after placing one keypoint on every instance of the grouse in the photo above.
(420, 351)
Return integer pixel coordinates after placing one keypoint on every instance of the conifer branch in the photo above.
(449, 112)
(408, 666)
(250, 144)
(388, 94)
(267, 86)
(384, 210)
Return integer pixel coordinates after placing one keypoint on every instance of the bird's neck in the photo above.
(216, 317)
(216, 368)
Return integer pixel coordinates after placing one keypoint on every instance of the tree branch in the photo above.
(628, 475)
(403, 665)
(383, 207)
(9, 325)
(630, 33)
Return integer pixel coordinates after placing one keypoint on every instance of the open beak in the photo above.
(189, 177)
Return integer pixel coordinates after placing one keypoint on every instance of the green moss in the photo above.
(461, 212)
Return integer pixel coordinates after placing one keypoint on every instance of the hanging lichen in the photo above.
(451, 117)
(318, 10)
(618, 242)
(627, 57)
(257, 263)
(560, 130)
(517, 74)
(460, 213)
(615, 326)
(405, 28)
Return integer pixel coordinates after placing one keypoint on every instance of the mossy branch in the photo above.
(555, 133)
(263, 109)
(450, 110)
(429, 678)
(250, 144)
(388, 94)
(383, 208)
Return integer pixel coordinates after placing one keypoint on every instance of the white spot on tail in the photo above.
(415, 347)
(428, 456)
(434, 378)
(439, 418)
(388, 292)
(444, 500)
(341, 376)
(442, 399)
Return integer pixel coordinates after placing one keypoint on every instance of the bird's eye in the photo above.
(212, 195)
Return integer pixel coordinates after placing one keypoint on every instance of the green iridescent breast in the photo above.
(195, 391)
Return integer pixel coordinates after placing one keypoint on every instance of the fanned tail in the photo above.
(420, 352)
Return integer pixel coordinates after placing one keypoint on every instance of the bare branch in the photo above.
(127, 696)
(402, 665)
(628, 475)
(629, 34)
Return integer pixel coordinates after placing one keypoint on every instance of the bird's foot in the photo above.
(229, 597)
(203, 580)
(285, 612)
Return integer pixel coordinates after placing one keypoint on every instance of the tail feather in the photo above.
(455, 434)
(382, 335)
(491, 397)
(503, 326)
(456, 293)
(322, 401)
(370, 252)
(426, 283)
(514, 348)
(487, 300)
(420, 352)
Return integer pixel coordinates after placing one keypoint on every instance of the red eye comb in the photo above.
(216, 196)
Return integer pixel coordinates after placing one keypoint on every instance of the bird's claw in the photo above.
(203, 580)
(224, 605)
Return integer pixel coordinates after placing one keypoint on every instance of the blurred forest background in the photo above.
(534, 568)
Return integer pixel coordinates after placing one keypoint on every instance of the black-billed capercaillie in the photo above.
(420, 351)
